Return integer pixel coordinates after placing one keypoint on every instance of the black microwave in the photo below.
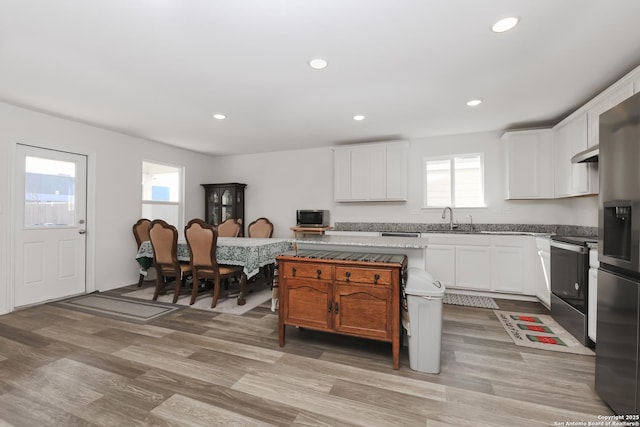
(312, 218)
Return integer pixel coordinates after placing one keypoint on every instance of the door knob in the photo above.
(82, 231)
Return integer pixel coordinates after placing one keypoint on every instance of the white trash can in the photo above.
(424, 325)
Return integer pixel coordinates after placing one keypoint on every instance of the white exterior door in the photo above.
(50, 244)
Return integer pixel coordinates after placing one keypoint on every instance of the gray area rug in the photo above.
(203, 302)
(118, 307)
(470, 301)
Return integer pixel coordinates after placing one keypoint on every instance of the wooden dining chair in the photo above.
(230, 227)
(164, 240)
(141, 233)
(202, 240)
(261, 227)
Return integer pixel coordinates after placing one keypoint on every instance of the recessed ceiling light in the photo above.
(318, 64)
(358, 117)
(505, 24)
(219, 116)
(474, 102)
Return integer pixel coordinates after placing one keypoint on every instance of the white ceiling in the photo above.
(159, 69)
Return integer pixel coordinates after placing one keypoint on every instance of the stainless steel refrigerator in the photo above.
(618, 316)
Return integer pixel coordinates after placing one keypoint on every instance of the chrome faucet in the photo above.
(444, 215)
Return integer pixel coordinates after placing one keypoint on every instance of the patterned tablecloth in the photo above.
(250, 253)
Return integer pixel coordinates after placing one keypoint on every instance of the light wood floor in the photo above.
(65, 368)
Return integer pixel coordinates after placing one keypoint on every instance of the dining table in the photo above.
(249, 252)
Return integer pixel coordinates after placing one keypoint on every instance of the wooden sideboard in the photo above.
(349, 293)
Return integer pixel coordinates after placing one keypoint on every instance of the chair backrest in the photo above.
(164, 241)
(230, 227)
(141, 230)
(261, 227)
(202, 239)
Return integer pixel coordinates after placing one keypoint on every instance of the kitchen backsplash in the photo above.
(565, 230)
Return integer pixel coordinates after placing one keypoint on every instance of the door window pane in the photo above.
(50, 193)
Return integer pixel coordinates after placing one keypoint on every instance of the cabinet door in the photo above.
(543, 278)
(441, 263)
(530, 164)
(610, 99)
(473, 267)
(368, 173)
(571, 137)
(342, 174)
(307, 303)
(212, 206)
(397, 172)
(507, 270)
(363, 310)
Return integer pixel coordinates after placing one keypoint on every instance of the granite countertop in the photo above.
(528, 229)
(382, 242)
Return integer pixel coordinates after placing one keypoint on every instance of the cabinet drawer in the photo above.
(364, 275)
(307, 271)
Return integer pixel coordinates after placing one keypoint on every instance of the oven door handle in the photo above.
(569, 247)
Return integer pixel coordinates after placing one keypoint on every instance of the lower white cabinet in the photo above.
(592, 307)
(473, 267)
(441, 263)
(488, 263)
(508, 265)
(542, 271)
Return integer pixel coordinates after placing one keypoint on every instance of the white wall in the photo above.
(279, 183)
(116, 164)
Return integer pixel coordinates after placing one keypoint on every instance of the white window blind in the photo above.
(456, 181)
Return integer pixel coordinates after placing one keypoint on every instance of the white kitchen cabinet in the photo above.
(592, 308)
(530, 173)
(487, 263)
(441, 263)
(606, 100)
(573, 179)
(371, 172)
(473, 267)
(542, 271)
(508, 265)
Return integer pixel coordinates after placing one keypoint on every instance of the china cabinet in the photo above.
(224, 201)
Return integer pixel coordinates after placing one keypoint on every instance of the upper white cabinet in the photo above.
(371, 172)
(608, 99)
(530, 163)
(573, 179)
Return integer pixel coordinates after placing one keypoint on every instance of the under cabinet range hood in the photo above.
(590, 155)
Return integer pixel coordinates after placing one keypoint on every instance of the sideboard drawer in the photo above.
(370, 276)
(307, 271)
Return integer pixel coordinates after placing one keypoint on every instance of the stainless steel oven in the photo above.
(570, 285)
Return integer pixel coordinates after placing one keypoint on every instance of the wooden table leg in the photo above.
(243, 290)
